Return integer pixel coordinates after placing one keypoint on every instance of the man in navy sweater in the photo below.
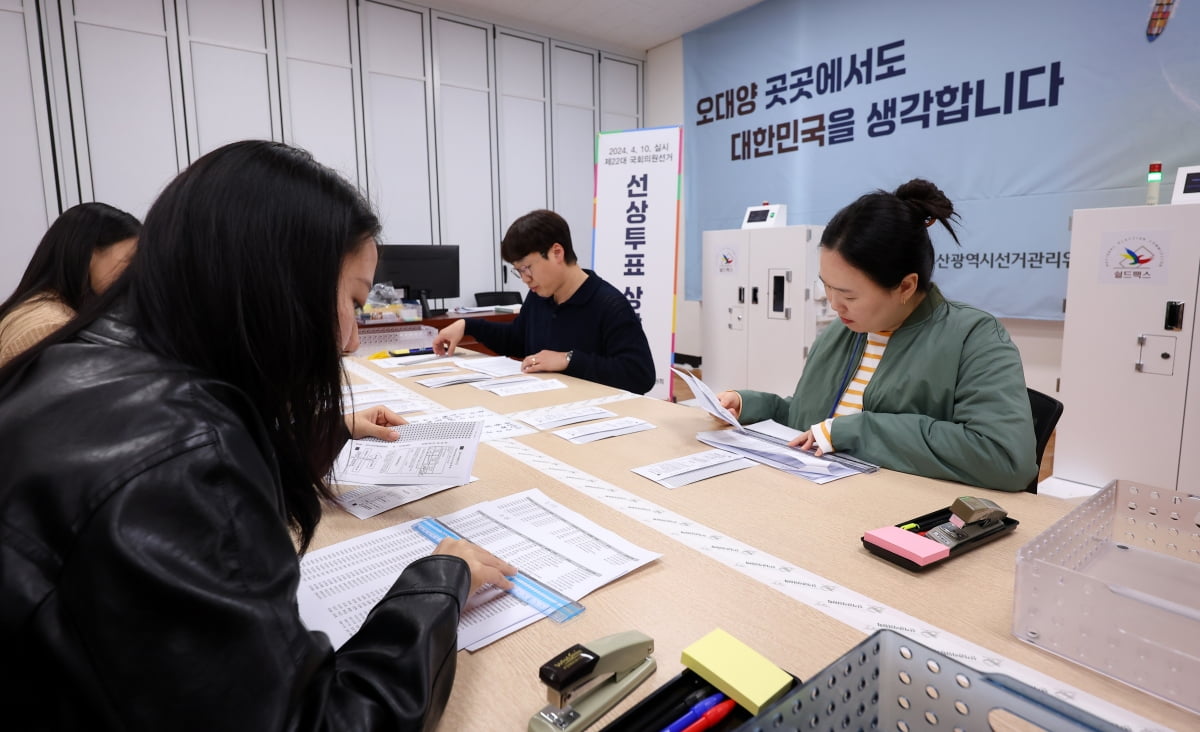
(572, 321)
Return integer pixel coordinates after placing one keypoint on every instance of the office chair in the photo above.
(491, 299)
(1046, 412)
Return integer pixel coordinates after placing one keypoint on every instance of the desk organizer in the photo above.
(375, 338)
(891, 682)
(1115, 585)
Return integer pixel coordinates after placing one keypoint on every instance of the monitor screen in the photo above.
(417, 267)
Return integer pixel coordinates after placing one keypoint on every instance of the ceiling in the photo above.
(631, 27)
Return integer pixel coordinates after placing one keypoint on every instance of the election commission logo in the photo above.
(1135, 257)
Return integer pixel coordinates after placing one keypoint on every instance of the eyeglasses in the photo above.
(521, 272)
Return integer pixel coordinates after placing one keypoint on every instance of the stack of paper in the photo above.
(693, 468)
(424, 454)
(600, 430)
(546, 541)
(551, 417)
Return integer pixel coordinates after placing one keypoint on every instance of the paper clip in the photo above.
(536, 595)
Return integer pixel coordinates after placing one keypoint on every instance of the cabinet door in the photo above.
(724, 329)
(28, 196)
(778, 336)
(121, 88)
(230, 79)
(398, 103)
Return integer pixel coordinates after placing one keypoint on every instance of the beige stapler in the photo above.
(584, 682)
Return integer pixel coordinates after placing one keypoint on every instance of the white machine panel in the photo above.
(1128, 348)
(759, 315)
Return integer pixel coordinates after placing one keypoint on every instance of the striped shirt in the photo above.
(851, 400)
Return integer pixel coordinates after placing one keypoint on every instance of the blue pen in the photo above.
(693, 715)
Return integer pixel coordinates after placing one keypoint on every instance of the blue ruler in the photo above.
(536, 595)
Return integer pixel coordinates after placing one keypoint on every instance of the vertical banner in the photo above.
(635, 231)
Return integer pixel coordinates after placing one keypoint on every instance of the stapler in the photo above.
(584, 682)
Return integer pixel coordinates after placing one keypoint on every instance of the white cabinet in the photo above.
(760, 317)
(1130, 381)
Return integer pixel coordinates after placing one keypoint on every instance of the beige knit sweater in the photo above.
(28, 323)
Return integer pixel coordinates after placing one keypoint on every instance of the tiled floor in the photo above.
(683, 393)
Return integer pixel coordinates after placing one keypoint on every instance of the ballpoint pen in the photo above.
(712, 716)
(694, 714)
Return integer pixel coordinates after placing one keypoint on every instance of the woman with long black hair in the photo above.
(155, 453)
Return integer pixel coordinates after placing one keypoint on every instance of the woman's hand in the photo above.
(373, 422)
(447, 338)
(732, 401)
(545, 361)
(807, 443)
(485, 567)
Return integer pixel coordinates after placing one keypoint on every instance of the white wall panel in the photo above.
(465, 114)
(230, 81)
(28, 200)
(319, 82)
(523, 123)
(574, 102)
(397, 101)
(128, 109)
(620, 94)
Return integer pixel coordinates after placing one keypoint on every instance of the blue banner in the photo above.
(1021, 111)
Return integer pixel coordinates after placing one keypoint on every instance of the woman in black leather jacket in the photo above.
(162, 455)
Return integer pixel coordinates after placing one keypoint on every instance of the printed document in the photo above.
(545, 540)
(693, 468)
(431, 454)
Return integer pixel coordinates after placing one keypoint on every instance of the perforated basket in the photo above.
(1115, 585)
(891, 682)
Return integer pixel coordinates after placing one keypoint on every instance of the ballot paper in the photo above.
(431, 454)
(600, 430)
(397, 398)
(365, 501)
(340, 584)
(504, 381)
(437, 382)
(767, 442)
(551, 417)
(527, 387)
(491, 365)
(409, 373)
(495, 426)
(693, 468)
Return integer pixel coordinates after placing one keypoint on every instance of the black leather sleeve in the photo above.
(179, 612)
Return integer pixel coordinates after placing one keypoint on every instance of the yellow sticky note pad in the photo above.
(740, 672)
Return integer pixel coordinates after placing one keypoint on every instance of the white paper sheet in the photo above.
(551, 417)
(491, 365)
(437, 382)
(409, 373)
(528, 387)
(546, 541)
(365, 501)
(693, 468)
(495, 426)
(601, 430)
(777, 456)
(504, 381)
(432, 454)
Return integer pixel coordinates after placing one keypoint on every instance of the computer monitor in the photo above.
(425, 272)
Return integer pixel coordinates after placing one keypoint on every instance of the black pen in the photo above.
(681, 708)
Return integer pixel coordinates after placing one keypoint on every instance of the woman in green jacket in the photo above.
(905, 379)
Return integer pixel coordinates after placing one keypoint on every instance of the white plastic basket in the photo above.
(1115, 585)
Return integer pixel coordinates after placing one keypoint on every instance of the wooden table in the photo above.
(685, 594)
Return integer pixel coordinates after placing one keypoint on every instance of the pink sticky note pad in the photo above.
(908, 544)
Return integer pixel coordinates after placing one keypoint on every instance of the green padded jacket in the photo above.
(948, 400)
